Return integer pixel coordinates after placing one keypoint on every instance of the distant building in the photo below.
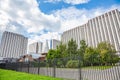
(10, 60)
(1, 58)
(13, 45)
(39, 49)
(105, 27)
(31, 58)
(45, 48)
(26, 58)
(54, 43)
(36, 48)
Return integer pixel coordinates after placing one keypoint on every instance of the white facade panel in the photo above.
(102, 28)
(36, 48)
(10, 45)
(54, 43)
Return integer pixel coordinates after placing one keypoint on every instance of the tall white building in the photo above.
(13, 45)
(45, 48)
(105, 27)
(54, 43)
(36, 48)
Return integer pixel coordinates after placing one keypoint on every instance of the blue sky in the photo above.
(48, 7)
(41, 20)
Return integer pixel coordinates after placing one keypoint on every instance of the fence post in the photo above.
(118, 69)
(54, 68)
(5, 66)
(38, 67)
(16, 64)
(80, 77)
(28, 66)
(21, 66)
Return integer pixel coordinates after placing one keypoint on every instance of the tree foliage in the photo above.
(103, 54)
(72, 48)
(107, 53)
(51, 54)
(81, 50)
(91, 56)
(72, 64)
(61, 50)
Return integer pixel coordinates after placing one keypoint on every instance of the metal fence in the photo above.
(67, 68)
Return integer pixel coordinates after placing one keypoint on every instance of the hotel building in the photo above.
(54, 43)
(35, 48)
(13, 45)
(105, 27)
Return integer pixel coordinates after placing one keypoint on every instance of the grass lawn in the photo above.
(97, 67)
(13, 75)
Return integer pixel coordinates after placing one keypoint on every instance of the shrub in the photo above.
(72, 64)
(37, 64)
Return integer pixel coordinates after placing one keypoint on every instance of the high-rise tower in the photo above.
(13, 45)
(105, 27)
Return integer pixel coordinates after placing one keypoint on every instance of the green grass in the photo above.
(90, 67)
(98, 67)
(13, 75)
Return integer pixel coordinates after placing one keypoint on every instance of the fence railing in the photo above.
(67, 68)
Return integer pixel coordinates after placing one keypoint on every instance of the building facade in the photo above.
(45, 48)
(13, 45)
(105, 27)
(36, 48)
(54, 43)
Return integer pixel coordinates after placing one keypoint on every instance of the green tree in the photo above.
(51, 54)
(57, 54)
(82, 49)
(91, 56)
(107, 53)
(72, 48)
(51, 57)
(61, 50)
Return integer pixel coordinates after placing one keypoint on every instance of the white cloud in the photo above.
(27, 13)
(51, 1)
(44, 37)
(72, 17)
(24, 17)
(73, 2)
